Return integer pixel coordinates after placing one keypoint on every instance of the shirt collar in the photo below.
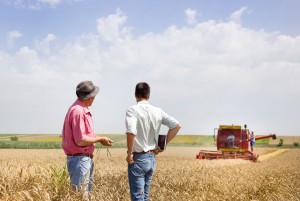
(86, 110)
(143, 102)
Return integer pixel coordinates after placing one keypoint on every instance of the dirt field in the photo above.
(39, 175)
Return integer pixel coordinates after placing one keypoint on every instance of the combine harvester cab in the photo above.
(232, 143)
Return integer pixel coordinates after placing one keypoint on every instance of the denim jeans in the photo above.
(140, 175)
(81, 171)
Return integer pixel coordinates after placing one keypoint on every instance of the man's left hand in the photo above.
(105, 141)
(158, 150)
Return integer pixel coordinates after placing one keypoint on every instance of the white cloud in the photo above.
(237, 15)
(208, 74)
(24, 4)
(11, 36)
(191, 16)
(44, 44)
(111, 28)
(52, 3)
(26, 61)
(38, 4)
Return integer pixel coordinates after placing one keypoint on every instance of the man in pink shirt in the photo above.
(79, 138)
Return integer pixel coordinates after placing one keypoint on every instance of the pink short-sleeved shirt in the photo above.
(77, 125)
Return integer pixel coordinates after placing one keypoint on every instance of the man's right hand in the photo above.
(129, 158)
(105, 141)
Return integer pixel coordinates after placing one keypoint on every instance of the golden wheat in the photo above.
(42, 175)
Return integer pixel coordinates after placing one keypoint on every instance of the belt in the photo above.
(145, 152)
(81, 154)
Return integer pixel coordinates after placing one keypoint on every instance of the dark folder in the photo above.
(162, 141)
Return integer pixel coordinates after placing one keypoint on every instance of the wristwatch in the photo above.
(128, 152)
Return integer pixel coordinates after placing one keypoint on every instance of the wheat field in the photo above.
(41, 175)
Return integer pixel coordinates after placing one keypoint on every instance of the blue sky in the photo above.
(208, 62)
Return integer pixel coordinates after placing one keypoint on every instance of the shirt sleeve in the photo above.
(169, 121)
(131, 121)
(79, 128)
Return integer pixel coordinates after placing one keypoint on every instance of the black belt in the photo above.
(145, 152)
(82, 154)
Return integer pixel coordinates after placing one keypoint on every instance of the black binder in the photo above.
(162, 141)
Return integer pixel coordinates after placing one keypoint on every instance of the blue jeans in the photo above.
(140, 175)
(81, 171)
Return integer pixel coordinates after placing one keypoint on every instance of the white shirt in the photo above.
(230, 137)
(252, 136)
(144, 121)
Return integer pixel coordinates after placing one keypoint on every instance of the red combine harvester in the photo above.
(232, 142)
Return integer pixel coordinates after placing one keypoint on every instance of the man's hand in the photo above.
(158, 150)
(105, 141)
(129, 158)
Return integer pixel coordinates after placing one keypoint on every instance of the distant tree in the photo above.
(296, 144)
(14, 138)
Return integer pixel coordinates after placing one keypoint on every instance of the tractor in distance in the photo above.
(232, 143)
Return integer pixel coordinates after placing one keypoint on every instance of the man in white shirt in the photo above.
(143, 122)
(230, 140)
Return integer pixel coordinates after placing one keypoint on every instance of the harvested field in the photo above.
(39, 175)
